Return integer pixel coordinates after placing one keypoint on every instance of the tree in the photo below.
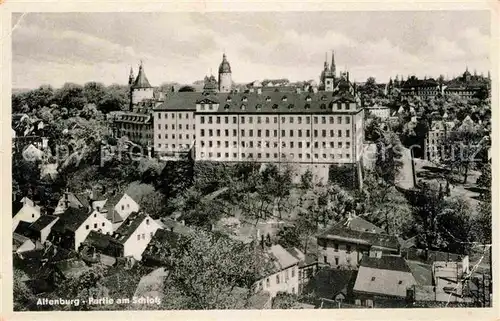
(71, 97)
(207, 267)
(115, 98)
(290, 236)
(24, 299)
(373, 128)
(388, 158)
(482, 222)
(306, 180)
(284, 301)
(89, 111)
(93, 92)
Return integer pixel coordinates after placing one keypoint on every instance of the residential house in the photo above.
(308, 266)
(74, 200)
(383, 282)
(25, 211)
(22, 243)
(380, 111)
(43, 226)
(118, 207)
(75, 224)
(130, 239)
(346, 243)
(331, 284)
(282, 276)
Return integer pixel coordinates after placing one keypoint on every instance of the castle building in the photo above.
(468, 86)
(308, 130)
(136, 123)
(225, 80)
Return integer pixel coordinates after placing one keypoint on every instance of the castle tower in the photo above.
(329, 75)
(130, 83)
(332, 66)
(225, 80)
(141, 89)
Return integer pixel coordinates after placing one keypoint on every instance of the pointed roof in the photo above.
(332, 66)
(224, 66)
(141, 81)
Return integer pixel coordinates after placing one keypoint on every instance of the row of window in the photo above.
(172, 115)
(267, 144)
(179, 127)
(173, 146)
(134, 126)
(267, 133)
(87, 227)
(143, 236)
(186, 136)
(279, 278)
(301, 156)
(260, 119)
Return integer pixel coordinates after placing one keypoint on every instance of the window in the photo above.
(339, 133)
(293, 272)
(315, 119)
(226, 154)
(299, 132)
(275, 133)
(373, 278)
(138, 237)
(218, 155)
(340, 144)
(250, 120)
(331, 120)
(400, 282)
(226, 144)
(308, 132)
(159, 115)
(267, 132)
(325, 259)
(291, 120)
(268, 283)
(275, 120)
(242, 133)
(336, 261)
(347, 133)
(95, 225)
(87, 227)
(323, 133)
(323, 120)
(202, 133)
(335, 247)
(277, 279)
(308, 120)
(282, 120)
(250, 133)
(235, 132)
(123, 207)
(299, 120)
(347, 120)
(267, 120)
(283, 133)
(226, 132)
(259, 120)
(235, 120)
(348, 248)
(316, 145)
(300, 144)
(291, 144)
(242, 119)
(348, 145)
(315, 133)
(210, 132)
(291, 132)
(102, 223)
(209, 119)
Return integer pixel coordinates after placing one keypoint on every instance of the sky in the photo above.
(54, 48)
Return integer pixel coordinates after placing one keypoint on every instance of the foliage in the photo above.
(284, 301)
(24, 298)
(207, 267)
(388, 160)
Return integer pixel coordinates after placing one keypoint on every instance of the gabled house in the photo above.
(42, 227)
(25, 211)
(22, 243)
(346, 243)
(74, 200)
(383, 282)
(282, 274)
(75, 224)
(331, 285)
(308, 266)
(118, 207)
(129, 240)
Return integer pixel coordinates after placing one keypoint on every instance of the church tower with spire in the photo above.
(140, 87)
(225, 80)
(328, 75)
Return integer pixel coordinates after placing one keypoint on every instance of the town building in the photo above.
(424, 88)
(380, 111)
(435, 140)
(130, 240)
(345, 244)
(282, 276)
(75, 224)
(308, 266)
(328, 77)
(39, 230)
(468, 86)
(225, 80)
(118, 207)
(25, 211)
(382, 282)
(331, 285)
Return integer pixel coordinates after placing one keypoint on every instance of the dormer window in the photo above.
(323, 98)
(243, 107)
(226, 107)
(400, 282)
(210, 107)
(275, 106)
(229, 99)
(258, 107)
(244, 98)
(290, 106)
(283, 98)
(268, 99)
(323, 106)
(373, 278)
(307, 106)
(308, 98)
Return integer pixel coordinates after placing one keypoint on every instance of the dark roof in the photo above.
(71, 219)
(129, 226)
(359, 237)
(42, 222)
(16, 207)
(23, 228)
(271, 102)
(141, 81)
(386, 262)
(414, 82)
(327, 283)
(224, 66)
(359, 224)
(99, 240)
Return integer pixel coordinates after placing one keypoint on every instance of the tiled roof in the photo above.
(71, 219)
(359, 237)
(359, 224)
(42, 222)
(281, 258)
(272, 102)
(99, 240)
(327, 283)
(129, 226)
(388, 275)
(224, 66)
(23, 228)
(141, 81)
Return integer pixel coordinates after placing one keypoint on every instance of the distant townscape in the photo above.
(268, 195)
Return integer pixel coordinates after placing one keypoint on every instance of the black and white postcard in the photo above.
(331, 160)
